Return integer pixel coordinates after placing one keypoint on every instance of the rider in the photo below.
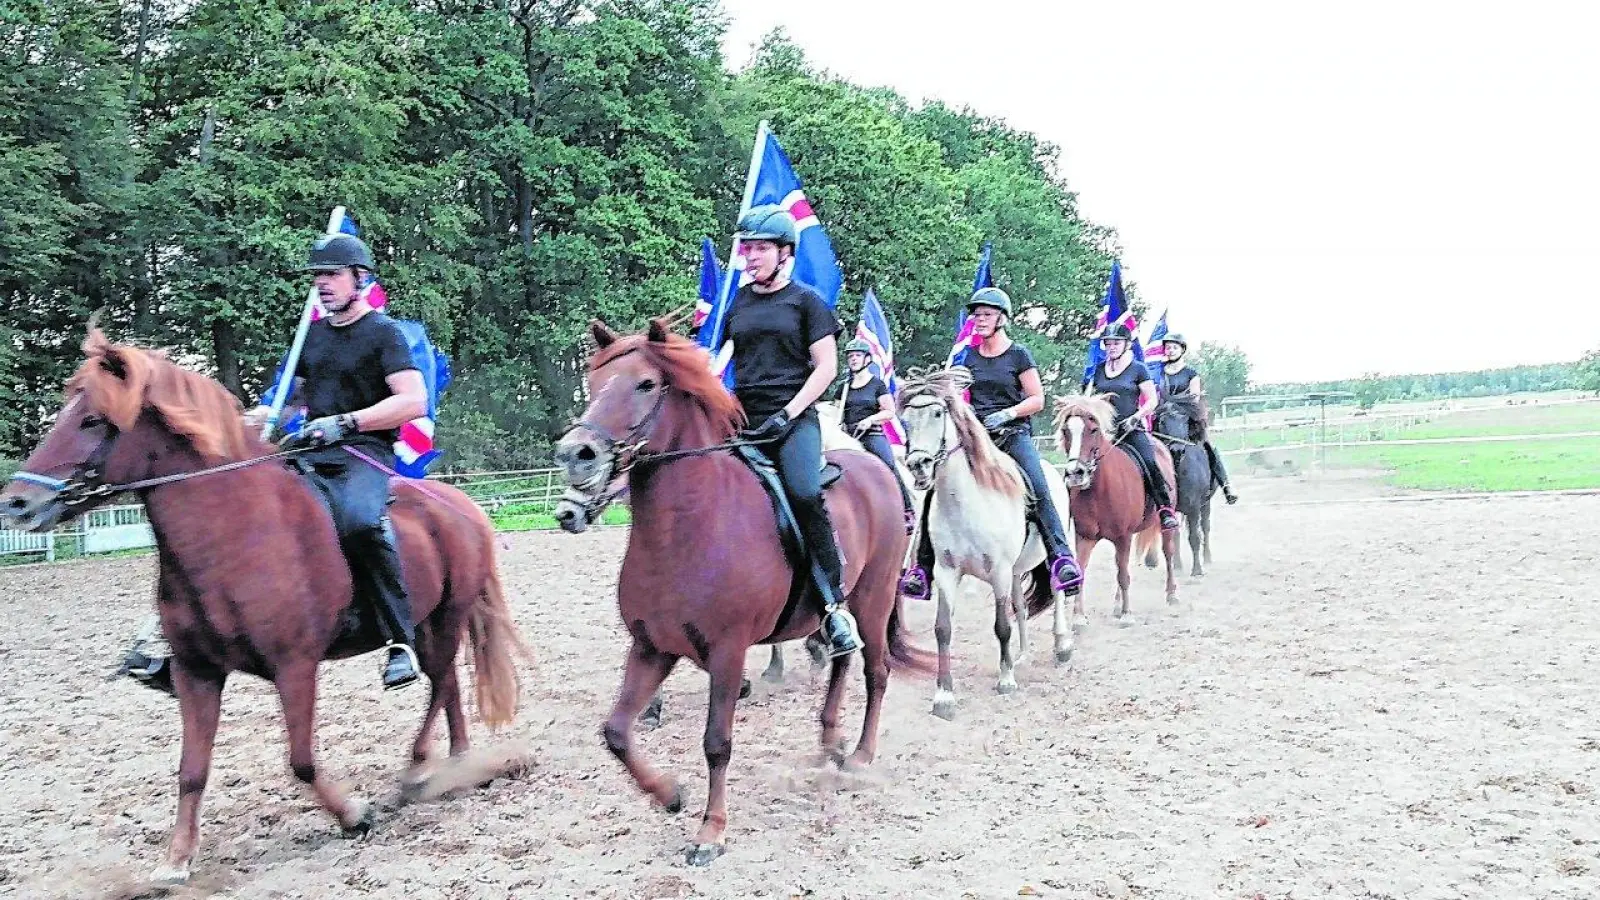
(1006, 392)
(784, 357)
(359, 384)
(1134, 397)
(867, 405)
(1179, 380)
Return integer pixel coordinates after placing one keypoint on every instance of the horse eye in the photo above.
(89, 422)
(647, 386)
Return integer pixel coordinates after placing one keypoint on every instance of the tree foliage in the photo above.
(517, 167)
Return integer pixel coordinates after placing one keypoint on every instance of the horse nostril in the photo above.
(586, 453)
(16, 504)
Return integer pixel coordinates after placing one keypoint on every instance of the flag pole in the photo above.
(750, 177)
(282, 395)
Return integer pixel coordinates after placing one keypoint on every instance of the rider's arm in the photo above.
(1148, 399)
(408, 399)
(1195, 387)
(1032, 395)
(824, 368)
(885, 411)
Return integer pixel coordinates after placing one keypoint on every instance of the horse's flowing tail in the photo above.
(902, 654)
(496, 647)
(1146, 544)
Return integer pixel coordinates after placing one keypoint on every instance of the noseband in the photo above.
(86, 482)
(1091, 464)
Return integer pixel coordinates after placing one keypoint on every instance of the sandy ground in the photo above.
(1359, 701)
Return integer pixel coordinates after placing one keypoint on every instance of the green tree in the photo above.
(1586, 375)
(1224, 371)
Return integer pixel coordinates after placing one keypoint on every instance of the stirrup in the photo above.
(852, 636)
(911, 521)
(1163, 514)
(1069, 583)
(914, 584)
(388, 659)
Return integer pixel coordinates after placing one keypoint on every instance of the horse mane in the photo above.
(121, 381)
(686, 366)
(990, 467)
(1199, 414)
(1097, 407)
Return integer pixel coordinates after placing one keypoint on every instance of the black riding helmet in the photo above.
(333, 252)
(1115, 331)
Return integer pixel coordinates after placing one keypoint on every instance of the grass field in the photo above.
(1532, 465)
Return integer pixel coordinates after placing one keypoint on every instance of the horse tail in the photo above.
(496, 646)
(902, 653)
(1146, 542)
(1036, 590)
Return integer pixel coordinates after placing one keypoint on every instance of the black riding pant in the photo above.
(358, 496)
(1217, 471)
(878, 445)
(1144, 447)
(798, 456)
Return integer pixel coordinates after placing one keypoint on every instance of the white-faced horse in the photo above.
(979, 523)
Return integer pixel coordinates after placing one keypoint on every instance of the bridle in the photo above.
(946, 447)
(1091, 463)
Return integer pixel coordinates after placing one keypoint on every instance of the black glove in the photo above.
(773, 428)
(321, 432)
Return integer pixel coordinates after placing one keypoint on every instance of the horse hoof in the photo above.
(1125, 621)
(363, 824)
(170, 876)
(1080, 624)
(674, 803)
(1197, 574)
(772, 676)
(744, 689)
(411, 788)
(1172, 599)
(1006, 687)
(704, 854)
(945, 710)
(1063, 656)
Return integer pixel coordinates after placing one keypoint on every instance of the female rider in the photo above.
(1179, 379)
(867, 405)
(1006, 392)
(1134, 397)
(785, 354)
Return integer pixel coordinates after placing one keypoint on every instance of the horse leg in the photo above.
(1205, 525)
(651, 716)
(438, 663)
(200, 701)
(1191, 524)
(875, 658)
(1061, 627)
(945, 582)
(1080, 619)
(297, 694)
(1123, 545)
(832, 705)
(1169, 547)
(646, 669)
(774, 670)
(1002, 634)
(727, 671)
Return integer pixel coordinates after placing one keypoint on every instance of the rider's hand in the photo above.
(323, 432)
(773, 428)
(996, 420)
(1133, 422)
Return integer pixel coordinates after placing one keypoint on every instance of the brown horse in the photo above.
(705, 576)
(220, 502)
(1109, 502)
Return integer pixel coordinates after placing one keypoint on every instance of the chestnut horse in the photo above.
(135, 422)
(705, 576)
(1109, 501)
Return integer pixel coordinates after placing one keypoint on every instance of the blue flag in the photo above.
(710, 290)
(1158, 351)
(965, 338)
(1114, 308)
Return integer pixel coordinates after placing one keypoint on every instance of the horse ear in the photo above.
(658, 331)
(603, 336)
(111, 361)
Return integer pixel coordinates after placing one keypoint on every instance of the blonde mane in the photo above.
(1097, 407)
(121, 381)
(990, 467)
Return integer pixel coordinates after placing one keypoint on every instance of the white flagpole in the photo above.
(334, 218)
(721, 358)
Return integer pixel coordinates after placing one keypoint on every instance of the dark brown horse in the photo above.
(220, 505)
(704, 576)
(1109, 502)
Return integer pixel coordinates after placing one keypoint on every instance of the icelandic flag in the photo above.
(414, 450)
(874, 329)
(1113, 309)
(710, 285)
(813, 262)
(1158, 351)
(966, 338)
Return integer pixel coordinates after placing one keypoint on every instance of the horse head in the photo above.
(939, 422)
(128, 413)
(1083, 428)
(1175, 418)
(654, 389)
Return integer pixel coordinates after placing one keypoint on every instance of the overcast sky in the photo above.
(1393, 187)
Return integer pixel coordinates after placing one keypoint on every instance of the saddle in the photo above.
(789, 534)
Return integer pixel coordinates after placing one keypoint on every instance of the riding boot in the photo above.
(1220, 474)
(917, 582)
(838, 626)
(147, 658)
(1164, 507)
(381, 560)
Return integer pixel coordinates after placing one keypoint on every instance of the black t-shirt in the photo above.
(861, 402)
(345, 369)
(997, 381)
(1124, 388)
(1178, 383)
(772, 336)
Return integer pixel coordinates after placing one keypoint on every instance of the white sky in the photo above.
(1370, 186)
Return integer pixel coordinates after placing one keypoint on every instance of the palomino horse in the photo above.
(705, 575)
(1109, 501)
(135, 422)
(978, 522)
(1175, 419)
